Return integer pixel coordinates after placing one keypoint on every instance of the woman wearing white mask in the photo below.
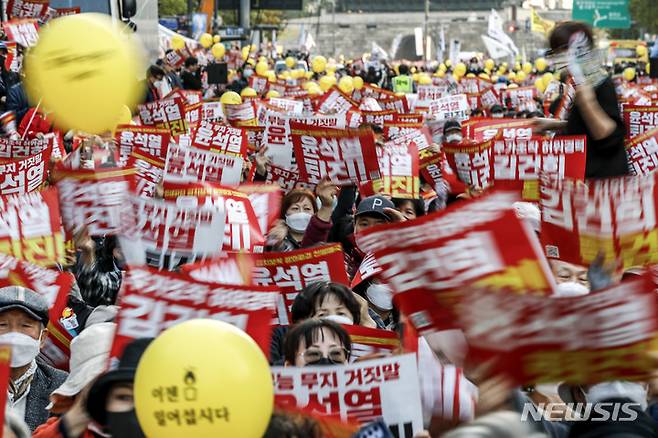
(380, 302)
(23, 321)
(303, 223)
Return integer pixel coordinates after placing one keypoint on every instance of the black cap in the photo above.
(450, 125)
(125, 372)
(27, 300)
(496, 109)
(374, 206)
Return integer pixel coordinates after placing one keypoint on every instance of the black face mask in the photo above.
(323, 361)
(124, 425)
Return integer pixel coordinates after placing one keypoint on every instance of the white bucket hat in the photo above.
(90, 351)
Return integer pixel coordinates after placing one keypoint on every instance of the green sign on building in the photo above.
(612, 14)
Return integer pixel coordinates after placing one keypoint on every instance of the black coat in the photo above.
(46, 379)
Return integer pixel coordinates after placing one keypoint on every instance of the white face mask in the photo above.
(380, 295)
(24, 348)
(339, 319)
(298, 221)
(497, 115)
(453, 138)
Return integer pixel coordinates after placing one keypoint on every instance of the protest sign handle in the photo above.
(36, 109)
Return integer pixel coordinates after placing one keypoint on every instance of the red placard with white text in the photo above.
(642, 151)
(292, 271)
(230, 267)
(25, 175)
(243, 114)
(398, 163)
(220, 138)
(639, 119)
(266, 201)
(149, 172)
(471, 162)
(152, 301)
(335, 101)
(482, 129)
(166, 114)
(345, 156)
(26, 8)
(154, 141)
(198, 165)
(450, 107)
(24, 31)
(16, 149)
(367, 341)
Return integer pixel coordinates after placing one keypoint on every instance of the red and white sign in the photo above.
(482, 129)
(520, 97)
(367, 341)
(335, 101)
(345, 156)
(398, 163)
(31, 228)
(24, 31)
(197, 165)
(290, 106)
(640, 119)
(153, 301)
(26, 8)
(93, 198)
(429, 93)
(294, 270)
(24, 176)
(220, 138)
(14, 149)
(230, 267)
(361, 392)
(642, 151)
(149, 172)
(212, 111)
(266, 201)
(241, 114)
(451, 107)
(167, 114)
(471, 162)
(153, 141)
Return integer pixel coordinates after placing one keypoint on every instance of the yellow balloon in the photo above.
(448, 63)
(271, 76)
(248, 92)
(511, 76)
(346, 84)
(83, 69)
(513, 86)
(484, 76)
(460, 69)
(629, 73)
(494, 78)
(326, 82)
(126, 116)
(314, 89)
(195, 353)
(443, 67)
(218, 50)
(177, 42)
(541, 64)
(425, 79)
(319, 64)
(261, 68)
(547, 78)
(527, 68)
(648, 68)
(291, 62)
(441, 73)
(272, 93)
(205, 40)
(470, 75)
(489, 64)
(641, 51)
(520, 76)
(308, 74)
(517, 66)
(414, 77)
(216, 39)
(539, 84)
(230, 98)
(412, 69)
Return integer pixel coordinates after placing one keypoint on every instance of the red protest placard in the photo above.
(61, 12)
(26, 8)
(519, 97)
(639, 119)
(25, 175)
(399, 104)
(292, 271)
(450, 107)
(398, 163)
(483, 129)
(284, 178)
(166, 235)
(335, 101)
(243, 114)
(154, 141)
(642, 152)
(16, 149)
(149, 173)
(24, 31)
(471, 162)
(220, 138)
(378, 118)
(92, 199)
(31, 228)
(230, 267)
(197, 165)
(289, 106)
(616, 217)
(259, 83)
(211, 111)
(617, 330)
(266, 200)
(5, 373)
(345, 156)
(395, 129)
(367, 341)
(518, 163)
(361, 392)
(489, 97)
(193, 105)
(242, 230)
(152, 301)
(166, 114)
(428, 93)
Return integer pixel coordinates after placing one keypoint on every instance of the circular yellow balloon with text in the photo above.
(218, 50)
(230, 98)
(84, 70)
(216, 368)
(358, 82)
(205, 40)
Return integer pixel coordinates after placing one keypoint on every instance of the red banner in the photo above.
(471, 162)
(24, 176)
(483, 129)
(220, 138)
(639, 119)
(345, 156)
(395, 129)
(642, 152)
(24, 31)
(149, 173)
(228, 268)
(15, 149)
(166, 114)
(197, 165)
(616, 217)
(93, 198)
(26, 8)
(284, 178)
(518, 163)
(152, 301)
(292, 271)
(154, 141)
(617, 332)
(266, 200)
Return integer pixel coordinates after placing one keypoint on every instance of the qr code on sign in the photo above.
(552, 251)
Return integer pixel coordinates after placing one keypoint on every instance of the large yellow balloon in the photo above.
(326, 82)
(248, 92)
(358, 82)
(261, 68)
(318, 64)
(218, 50)
(177, 42)
(214, 366)
(547, 78)
(84, 70)
(216, 39)
(629, 73)
(314, 89)
(541, 64)
(205, 40)
(230, 98)
(460, 69)
(641, 51)
(271, 76)
(346, 84)
(291, 62)
(520, 76)
(527, 68)
(424, 79)
(126, 116)
(539, 84)
(489, 64)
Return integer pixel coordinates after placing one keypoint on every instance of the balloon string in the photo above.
(36, 109)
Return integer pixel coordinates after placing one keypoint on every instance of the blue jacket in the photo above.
(17, 101)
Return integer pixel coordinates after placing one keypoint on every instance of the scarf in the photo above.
(19, 387)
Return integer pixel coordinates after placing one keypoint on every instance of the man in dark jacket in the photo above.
(191, 76)
(17, 101)
(23, 321)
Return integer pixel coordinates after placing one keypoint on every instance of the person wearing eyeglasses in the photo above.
(317, 342)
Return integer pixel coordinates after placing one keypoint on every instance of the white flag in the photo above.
(495, 48)
(496, 32)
